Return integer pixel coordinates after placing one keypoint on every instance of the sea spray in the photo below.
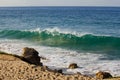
(66, 40)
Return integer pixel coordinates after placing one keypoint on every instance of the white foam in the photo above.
(88, 63)
(56, 30)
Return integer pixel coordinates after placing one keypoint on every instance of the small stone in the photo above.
(73, 66)
(103, 75)
(59, 71)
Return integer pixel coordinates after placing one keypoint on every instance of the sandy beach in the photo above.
(13, 68)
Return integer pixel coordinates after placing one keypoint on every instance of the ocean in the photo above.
(88, 36)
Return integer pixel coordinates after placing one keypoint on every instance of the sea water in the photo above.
(88, 36)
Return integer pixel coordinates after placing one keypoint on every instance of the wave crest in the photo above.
(56, 38)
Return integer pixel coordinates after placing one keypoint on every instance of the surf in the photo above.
(68, 40)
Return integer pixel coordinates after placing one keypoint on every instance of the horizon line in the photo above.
(59, 6)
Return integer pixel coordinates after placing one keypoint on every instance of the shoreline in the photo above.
(13, 63)
(89, 62)
(13, 68)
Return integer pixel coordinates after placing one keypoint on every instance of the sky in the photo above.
(59, 2)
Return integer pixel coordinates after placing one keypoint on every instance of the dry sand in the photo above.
(13, 68)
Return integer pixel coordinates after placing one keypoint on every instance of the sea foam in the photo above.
(89, 63)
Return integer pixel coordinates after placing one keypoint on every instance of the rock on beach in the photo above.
(31, 55)
(14, 68)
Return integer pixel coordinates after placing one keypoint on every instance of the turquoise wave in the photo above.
(71, 41)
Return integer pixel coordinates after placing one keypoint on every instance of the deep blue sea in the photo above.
(88, 36)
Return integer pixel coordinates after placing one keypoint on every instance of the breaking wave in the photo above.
(60, 39)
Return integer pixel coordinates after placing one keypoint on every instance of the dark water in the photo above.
(88, 28)
(96, 20)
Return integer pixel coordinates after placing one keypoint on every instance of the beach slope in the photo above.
(12, 67)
